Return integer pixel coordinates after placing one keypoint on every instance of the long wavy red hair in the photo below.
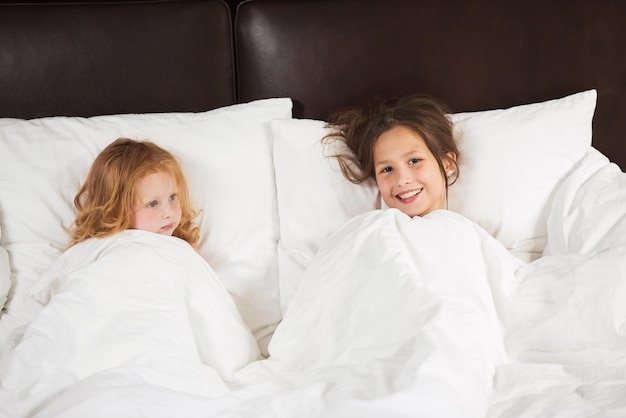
(105, 202)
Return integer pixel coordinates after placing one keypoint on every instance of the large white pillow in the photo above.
(226, 154)
(512, 160)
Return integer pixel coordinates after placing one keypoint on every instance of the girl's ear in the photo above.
(449, 163)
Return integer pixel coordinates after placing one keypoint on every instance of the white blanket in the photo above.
(566, 330)
(394, 315)
(135, 308)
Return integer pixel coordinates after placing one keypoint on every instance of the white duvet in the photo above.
(394, 312)
(137, 308)
(395, 317)
(566, 333)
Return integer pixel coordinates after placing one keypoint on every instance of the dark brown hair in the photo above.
(360, 127)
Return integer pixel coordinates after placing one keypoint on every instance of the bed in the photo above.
(306, 297)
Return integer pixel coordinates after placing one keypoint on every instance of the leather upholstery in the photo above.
(85, 59)
(476, 55)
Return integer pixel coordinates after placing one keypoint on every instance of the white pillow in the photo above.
(5, 274)
(512, 160)
(226, 154)
(314, 198)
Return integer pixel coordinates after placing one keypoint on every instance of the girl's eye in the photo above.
(152, 204)
(173, 196)
(414, 160)
(386, 170)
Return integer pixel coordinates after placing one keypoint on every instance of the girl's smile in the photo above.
(409, 196)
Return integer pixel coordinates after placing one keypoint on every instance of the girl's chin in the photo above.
(408, 209)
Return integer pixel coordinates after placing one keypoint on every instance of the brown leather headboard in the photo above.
(92, 58)
(476, 55)
(89, 58)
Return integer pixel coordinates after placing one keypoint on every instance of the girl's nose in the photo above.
(403, 176)
(167, 210)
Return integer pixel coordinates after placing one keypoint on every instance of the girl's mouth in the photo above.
(408, 196)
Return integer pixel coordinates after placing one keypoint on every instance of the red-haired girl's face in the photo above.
(157, 208)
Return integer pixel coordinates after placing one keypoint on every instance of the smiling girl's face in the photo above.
(407, 173)
(157, 208)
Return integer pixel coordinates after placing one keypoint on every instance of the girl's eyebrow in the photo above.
(384, 162)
